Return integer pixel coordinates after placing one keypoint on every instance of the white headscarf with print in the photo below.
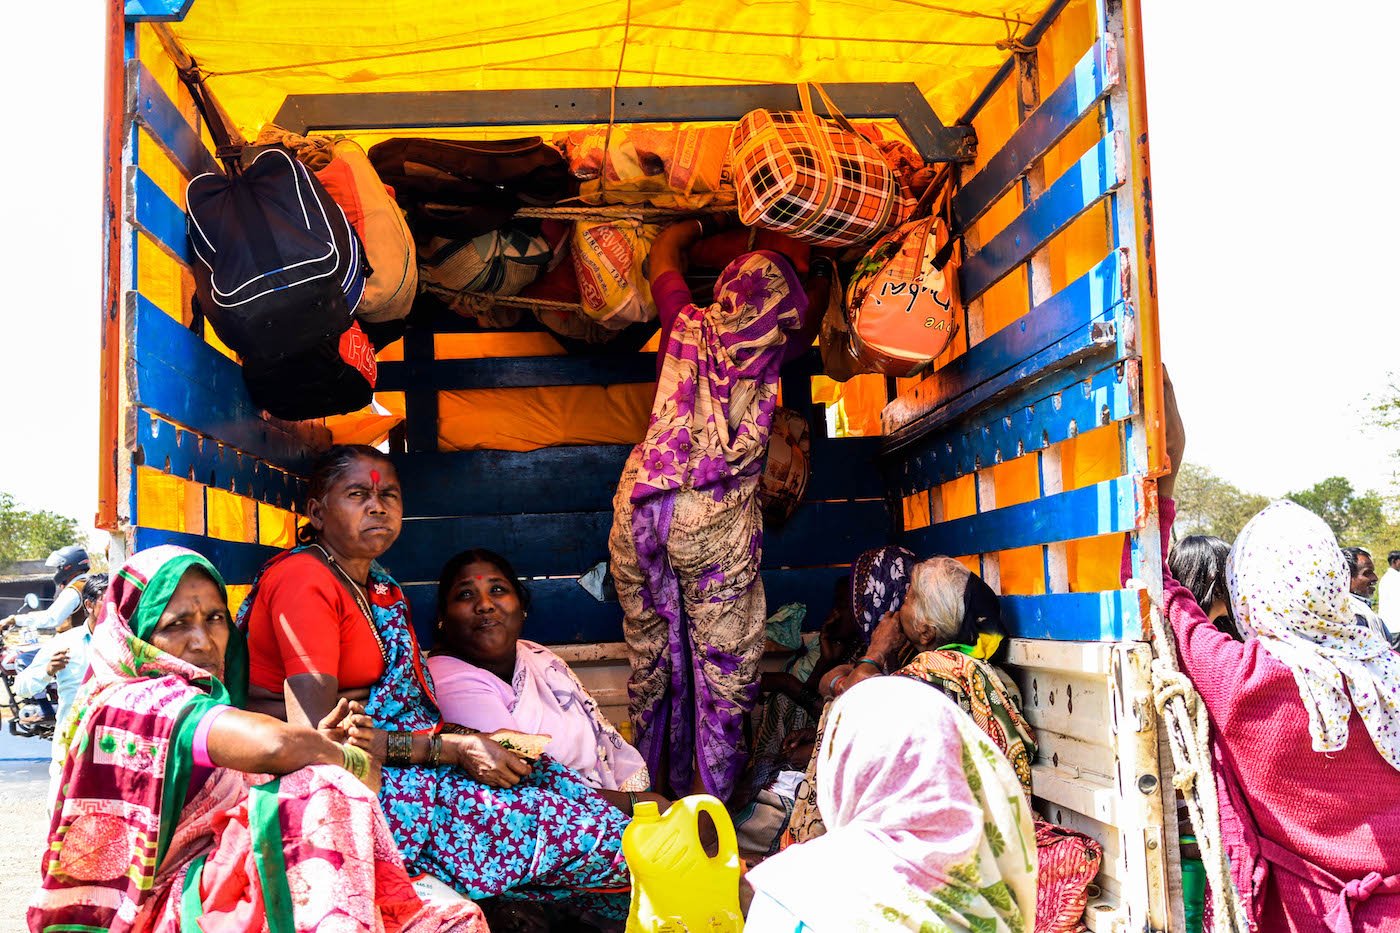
(1289, 585)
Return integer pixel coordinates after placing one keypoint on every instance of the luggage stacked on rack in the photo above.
(279, 276)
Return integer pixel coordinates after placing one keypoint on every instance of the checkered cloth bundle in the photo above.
(815, 180)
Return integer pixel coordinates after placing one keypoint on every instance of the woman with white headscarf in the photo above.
(927, 826)
(1306, 724)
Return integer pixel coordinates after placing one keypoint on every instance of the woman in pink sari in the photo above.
(172, 815)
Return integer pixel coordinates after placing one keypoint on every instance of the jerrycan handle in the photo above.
(724, 826)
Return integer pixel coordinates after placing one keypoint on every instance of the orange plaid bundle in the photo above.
(815, 180)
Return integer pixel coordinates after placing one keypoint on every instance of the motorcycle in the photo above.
(31, 718)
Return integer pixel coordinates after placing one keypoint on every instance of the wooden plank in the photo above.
(563, 613)
(420, 402)
(1086, 657)
(844, 468)
(509, 372)
(1082, 794)
(900, 101)
(1104, 508)
(183, 379)
(1076, 358)
(191, 455)
(237, 561)
(157, 11)
(1097, 174)
(956, 451)
(154, 110)
(569, 543)
(1090, 82)
(502, 482)
(155, 214)
(1070, 616)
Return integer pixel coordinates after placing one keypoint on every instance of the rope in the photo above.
(612, 100)
(1012, 43)
(1188, 736)
(639, 212)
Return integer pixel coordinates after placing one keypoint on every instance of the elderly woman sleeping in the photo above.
(160, 823)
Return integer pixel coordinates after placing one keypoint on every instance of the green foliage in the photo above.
(1209, 505)
(1385, 413)
(26, 535)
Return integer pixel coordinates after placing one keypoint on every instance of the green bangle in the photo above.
(873, 663)
(356, 760)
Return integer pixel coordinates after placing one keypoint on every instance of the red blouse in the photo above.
(305, 621)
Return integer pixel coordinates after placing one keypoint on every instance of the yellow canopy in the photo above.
(258, 51)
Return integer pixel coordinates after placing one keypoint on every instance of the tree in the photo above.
(1350, 515)
(1385, 411)
(1208, 505)
(26, 535)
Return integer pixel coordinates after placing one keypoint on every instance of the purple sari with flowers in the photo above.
(688, 576)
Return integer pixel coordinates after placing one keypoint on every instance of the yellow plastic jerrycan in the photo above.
(676, 886)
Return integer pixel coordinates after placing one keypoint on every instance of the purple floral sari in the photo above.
(695, 611)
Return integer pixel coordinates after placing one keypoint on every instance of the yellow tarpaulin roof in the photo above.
(258, 51)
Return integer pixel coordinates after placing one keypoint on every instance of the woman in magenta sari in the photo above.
(687, 533)
(172, 815)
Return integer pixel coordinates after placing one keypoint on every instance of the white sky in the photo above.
(1272, 160)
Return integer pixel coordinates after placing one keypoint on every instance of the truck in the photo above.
(1029, 449)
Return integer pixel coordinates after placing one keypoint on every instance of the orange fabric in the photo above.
(528, 419)
(304, 621)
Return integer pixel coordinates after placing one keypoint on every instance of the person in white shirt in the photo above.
(68, 564)
(64, 660)
(1390, 588)
(1363, 587)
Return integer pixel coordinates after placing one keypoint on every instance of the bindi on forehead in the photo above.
(374, 477)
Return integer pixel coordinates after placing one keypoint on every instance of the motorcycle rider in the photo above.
(64, 659)
(69, 564)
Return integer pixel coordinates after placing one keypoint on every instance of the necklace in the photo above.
(361, 594)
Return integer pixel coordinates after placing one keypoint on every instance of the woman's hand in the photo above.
(858, 673)
(834, 678)
(1176, 436)
(887, 640)
(345, 715)
(484, 760)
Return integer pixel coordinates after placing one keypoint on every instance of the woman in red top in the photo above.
(325, 621)
(1304, 715)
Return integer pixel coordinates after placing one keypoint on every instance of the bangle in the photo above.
(435, 751)
(355, 760)
(399, 748)
(631, 803)
(873, 663)
(836, 684)
(701, 225)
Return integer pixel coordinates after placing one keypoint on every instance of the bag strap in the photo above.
(946, 189)
(805, 95)
(228, 147)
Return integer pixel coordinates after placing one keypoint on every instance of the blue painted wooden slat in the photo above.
(1097, 174)
(154, 110)
(1072, 616)
(562, 612)
(191, 455)
(157, 11)
(237, 562)
(1104, 508)
(1089, 82)
(516, 372)
(1022, 428)
(584, 478)
(161, 218)
(569, 543)
(184, 380)
(421, 401)
(897, 100)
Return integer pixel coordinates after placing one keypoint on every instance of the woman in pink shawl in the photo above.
(687, 534)
(177, 811)
(489, 678)
(928, 827)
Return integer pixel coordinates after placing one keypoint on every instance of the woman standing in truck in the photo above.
(325, 621)
(1306, 723)
(687, 534)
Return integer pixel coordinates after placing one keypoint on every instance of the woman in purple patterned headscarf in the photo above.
(687, 534)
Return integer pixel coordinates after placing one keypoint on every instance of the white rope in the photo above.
(1188, 736)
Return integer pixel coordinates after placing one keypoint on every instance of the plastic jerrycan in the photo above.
(676, 886)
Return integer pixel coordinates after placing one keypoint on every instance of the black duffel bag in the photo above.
(460, 189)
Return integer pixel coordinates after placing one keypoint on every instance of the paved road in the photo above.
(24, 823)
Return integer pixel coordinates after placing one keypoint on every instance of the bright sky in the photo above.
(1271, 165)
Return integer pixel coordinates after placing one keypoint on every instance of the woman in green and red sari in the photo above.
(170, 816)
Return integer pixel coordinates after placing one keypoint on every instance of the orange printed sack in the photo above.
(902, 303)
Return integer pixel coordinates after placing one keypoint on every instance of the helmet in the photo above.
(67, 563)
